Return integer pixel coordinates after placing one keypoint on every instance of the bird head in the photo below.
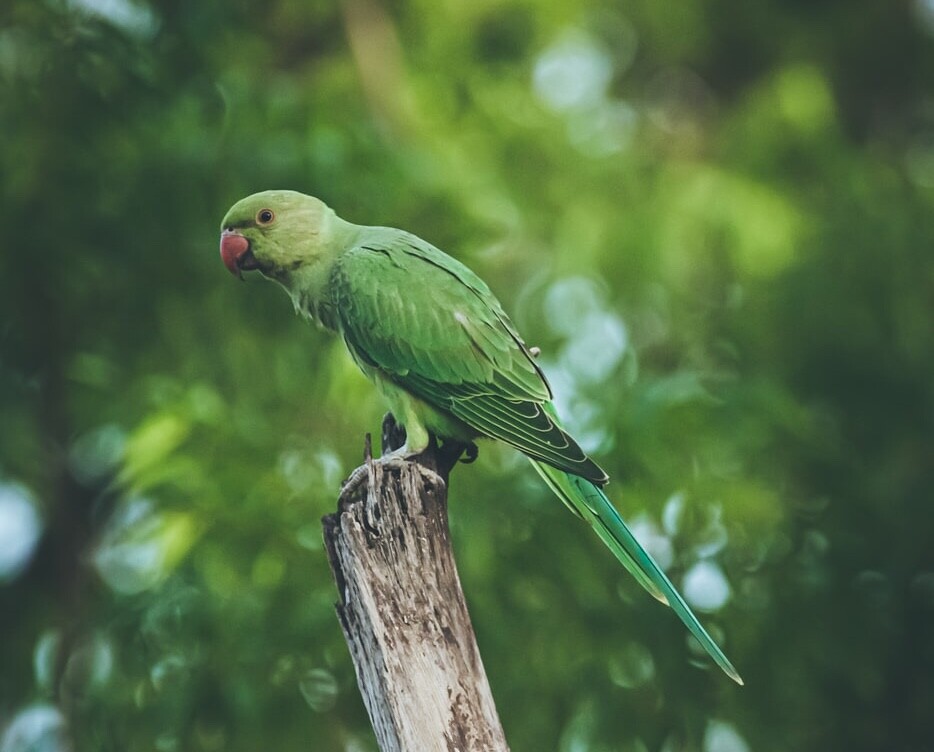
(275, 232)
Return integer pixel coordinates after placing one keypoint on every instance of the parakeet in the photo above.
(440, 348)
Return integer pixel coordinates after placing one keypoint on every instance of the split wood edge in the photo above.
(402, 609)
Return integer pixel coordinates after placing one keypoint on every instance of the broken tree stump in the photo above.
(402, 609)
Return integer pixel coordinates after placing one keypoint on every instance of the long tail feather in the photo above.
(590, 503)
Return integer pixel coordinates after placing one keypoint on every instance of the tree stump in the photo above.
(402, 609)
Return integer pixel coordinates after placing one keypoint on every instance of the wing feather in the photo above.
(433, 327)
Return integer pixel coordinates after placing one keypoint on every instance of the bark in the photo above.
(402, 608)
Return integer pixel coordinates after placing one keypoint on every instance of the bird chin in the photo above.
(248, 262)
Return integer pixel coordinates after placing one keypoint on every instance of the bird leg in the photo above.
(396, 453)
(395, 459)
(441, 458)
(437, 457)
(395, 443)
(393, 435)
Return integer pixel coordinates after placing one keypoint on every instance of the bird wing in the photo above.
(429, 324)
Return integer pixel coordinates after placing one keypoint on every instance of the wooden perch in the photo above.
(402, 608)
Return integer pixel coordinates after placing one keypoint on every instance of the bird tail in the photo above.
(590, 503)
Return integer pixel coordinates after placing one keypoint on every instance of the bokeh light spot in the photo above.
(96, 453)
(672, 512)
(632, 666)
(140, 546)
(571, 300)
(653, 540)
(721, 736)
(45, 657)
(574, 72)
(706, 587)
(713, 537)
(89, 666)
(135, 19)
(37, 728)
(20, 529)
(595, 351)
(170, 672)
(805, 98)
(319, 688)
(268, 569)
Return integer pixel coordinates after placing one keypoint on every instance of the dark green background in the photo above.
(715, 218)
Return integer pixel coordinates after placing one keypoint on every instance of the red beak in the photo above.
(233, 248)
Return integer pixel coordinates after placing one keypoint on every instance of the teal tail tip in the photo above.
(734, 675)
(722, 661)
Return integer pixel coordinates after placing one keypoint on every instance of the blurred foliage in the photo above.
(714, 218)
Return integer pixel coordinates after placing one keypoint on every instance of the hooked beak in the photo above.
(236, 253)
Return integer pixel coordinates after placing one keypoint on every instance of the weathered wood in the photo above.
(403, 611)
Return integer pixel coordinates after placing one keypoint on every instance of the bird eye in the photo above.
(265, 217)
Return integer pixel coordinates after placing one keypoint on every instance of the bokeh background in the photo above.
(715, 218)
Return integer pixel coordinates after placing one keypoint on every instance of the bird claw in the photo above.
(395, 460)
(356, 479)
(471, 452)
(435, 461)
(398, 459)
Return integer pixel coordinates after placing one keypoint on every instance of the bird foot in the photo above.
(394, 460)
(399, 458)
(434, 461)
(356, 479)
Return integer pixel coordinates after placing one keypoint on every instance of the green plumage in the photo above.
(437, 343)
(429, 325)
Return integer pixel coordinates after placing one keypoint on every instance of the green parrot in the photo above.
(439, 347)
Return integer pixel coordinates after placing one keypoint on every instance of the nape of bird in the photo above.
(436, 342)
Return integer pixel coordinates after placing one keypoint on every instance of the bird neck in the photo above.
(308, 284)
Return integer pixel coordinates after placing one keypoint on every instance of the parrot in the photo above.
(439, 347)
